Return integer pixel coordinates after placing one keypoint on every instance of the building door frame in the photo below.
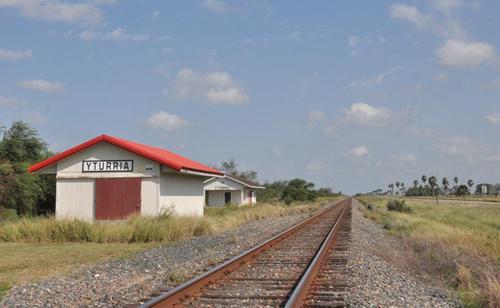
(117, 198)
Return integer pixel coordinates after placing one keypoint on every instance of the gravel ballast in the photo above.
(375, 283)
(128, 281)
(372, 281)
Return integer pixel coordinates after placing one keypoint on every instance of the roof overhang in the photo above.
(235, 180)
(123, 144)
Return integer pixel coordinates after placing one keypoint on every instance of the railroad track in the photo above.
(300, 267)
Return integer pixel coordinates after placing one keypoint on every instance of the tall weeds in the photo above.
(139, 229)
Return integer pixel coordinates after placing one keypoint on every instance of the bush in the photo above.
(398, 206)
(7, 214)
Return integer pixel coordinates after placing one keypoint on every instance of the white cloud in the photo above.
(367, 115)
(42, 85)
(446, 6)
(406, 158)
(215, 6)
(441, 78)
(315, 166)
(119, 35)
(461, 54)
(165, 121)
(353, 41)
(375, 80)
(331, 132)
(468, 149)
(357, 152)
(8, 101)
(315, 116)
(55, 10)
(444, 24)
(213, 88)
(13, 55)
(493, 118)
(408, 13)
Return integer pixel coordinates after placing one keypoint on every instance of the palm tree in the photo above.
(446, 183)
(433, 184)
(397, 185)
(470, 183)
(455, 179)
(402, 187)
(424, 180)
(415, 183)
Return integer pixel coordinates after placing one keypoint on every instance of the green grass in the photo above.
(27, 262)
(34, 248)
(455, 242)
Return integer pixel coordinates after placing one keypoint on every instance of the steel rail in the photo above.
(299, 294)
(195, 285)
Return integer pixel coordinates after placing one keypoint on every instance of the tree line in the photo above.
(431, 186)
(287, 191)
(20, 191)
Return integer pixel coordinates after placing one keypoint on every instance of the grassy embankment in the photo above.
(33, 248)
(456, 243)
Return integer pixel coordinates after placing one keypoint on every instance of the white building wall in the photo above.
(150, 196)
(75, 198)
(216, 198)
(72, 166)
(75, 189)
(181, 193)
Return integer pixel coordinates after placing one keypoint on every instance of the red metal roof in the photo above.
(161, 156)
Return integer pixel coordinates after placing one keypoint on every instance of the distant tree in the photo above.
(298, 190)
(470, 183)
(463, 190)
(490, 188)
(455, 179)
(231, 168)
(433, 184)
(415, 183)
(424, 181)
(445, 183)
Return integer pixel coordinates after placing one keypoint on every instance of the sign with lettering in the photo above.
(107, 166)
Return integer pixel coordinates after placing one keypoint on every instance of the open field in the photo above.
(43, 252)
(475, 198)
(457, 243)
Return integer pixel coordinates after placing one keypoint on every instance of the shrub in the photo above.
(7, 214)
(398, 206)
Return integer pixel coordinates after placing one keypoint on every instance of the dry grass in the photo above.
(138, 229)
(456, 243)
(34, 248)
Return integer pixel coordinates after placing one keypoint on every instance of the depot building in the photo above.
(111, 178)
(230, 190)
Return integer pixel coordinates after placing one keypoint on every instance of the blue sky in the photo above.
(350, 95)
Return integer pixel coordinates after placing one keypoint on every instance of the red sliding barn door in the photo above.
(117, 198)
